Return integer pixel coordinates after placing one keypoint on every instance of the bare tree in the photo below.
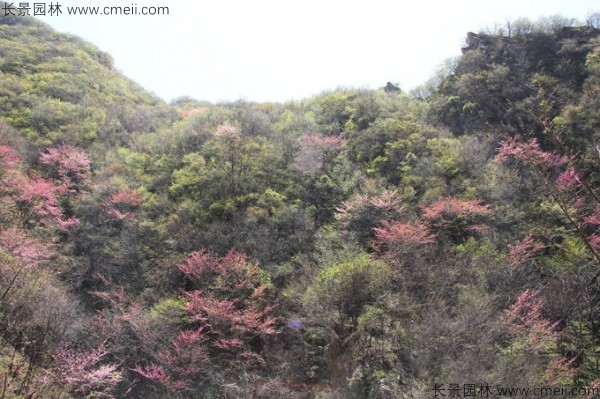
(593, 20)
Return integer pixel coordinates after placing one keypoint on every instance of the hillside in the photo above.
(56, 87)
(356, 244)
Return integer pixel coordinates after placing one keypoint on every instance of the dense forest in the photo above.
(362, 244)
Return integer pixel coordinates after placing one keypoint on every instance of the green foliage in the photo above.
(372, 321)
(332, 111)
(446, 153)
(344, 289)
(171, 311)
(190, 177)
(59, 88)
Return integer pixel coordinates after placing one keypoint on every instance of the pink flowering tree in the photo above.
(524, 251)
(360, 214)
(536, 339)
(84, 373)
(25, 253)
(577, 200)
(314, 149)
(230, 299)
(123, 204)
(456, 218)
(22, 200)
(37, 200)
(68, 166)
(593, 220)
(527, 324)
(566, 178)
(68, 169)
(530, 152)
(228, 307)
(9, 162)
(399, 239)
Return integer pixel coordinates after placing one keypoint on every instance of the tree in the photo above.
(228, 306)
(363, 212)
(84, 373)
(575, 198)
(593, 20)
(314, 149)
(535, 340)
(69, 166)
(340, 292)
(400, 239)
(123, 204)
(35, 200)
(456, 218)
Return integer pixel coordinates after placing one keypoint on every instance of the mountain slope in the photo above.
(56, 87)
(358, 244)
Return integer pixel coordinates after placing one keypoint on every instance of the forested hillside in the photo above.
(356, 244)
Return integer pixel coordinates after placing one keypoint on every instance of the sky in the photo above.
(280, 50)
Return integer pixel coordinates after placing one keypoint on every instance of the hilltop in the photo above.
(57, 87)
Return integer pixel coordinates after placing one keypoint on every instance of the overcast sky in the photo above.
(278, 50)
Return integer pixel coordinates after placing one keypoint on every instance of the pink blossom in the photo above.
(568, 180)
(83, 374)
(38, 196)
(594, 386)
(8, 158)
(397, 232)
(387, 200)
(67, 225)
(227, 310)
(321, 142)
(481, 229)
(69, 165)
(559, 371)
(126, 196)
(123, 204)
(115, 213)
(198, 263)
(523, 251)
(594, 240)
(594, 218)
(227, 344)
(202, 261)
(452, 208)
(23, 247)
(226, 130)
(153, 372)
(529, 151)
(526, 321)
